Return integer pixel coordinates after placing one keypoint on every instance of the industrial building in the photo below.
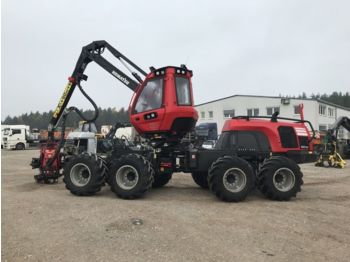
(320, 113)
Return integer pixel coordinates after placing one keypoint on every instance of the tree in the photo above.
(41, 120)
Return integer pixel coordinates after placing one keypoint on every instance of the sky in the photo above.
(268, 47)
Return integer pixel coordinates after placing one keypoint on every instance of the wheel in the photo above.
(161, 179)
(130, 176)
(201, 179)
(20, 146)
(231, 178)
(84, 174)
(280, 178)
(319, 164)
(331, 161)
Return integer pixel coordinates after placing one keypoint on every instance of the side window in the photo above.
(224, 141)
(296, 110)
(183, 91)
(233, 140)
(16, 131)
(229, 113)
(271, 110)
(263, 142)
(151, 96)
(253, 112)
(288, 137)
(246, 141)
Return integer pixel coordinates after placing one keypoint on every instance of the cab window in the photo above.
(224, 141)
(16, 131)
(183, 91)
(151, 96)
(288, 137)
(246, 140)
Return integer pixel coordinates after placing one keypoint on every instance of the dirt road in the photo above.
(180, 222)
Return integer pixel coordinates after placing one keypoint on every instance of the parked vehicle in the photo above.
(207, 131)
(16, 137)
(331, 151)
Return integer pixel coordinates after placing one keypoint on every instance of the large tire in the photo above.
(201, 179)
(231, 178)
(161, 179)
(84, 174)
(130, 176)
(280, 178)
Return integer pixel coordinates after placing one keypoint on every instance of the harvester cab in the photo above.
(162, 106)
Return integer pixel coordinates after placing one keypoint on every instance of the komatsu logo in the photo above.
(123, 79)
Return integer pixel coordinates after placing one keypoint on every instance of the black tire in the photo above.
(231, 178)
(130, 176)
(105, 166)
(20, 146)
(84, 174)
(280, 178)
(161, 179)
(201, 179)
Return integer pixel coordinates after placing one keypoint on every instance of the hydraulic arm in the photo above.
(341, 122)
(89, 53)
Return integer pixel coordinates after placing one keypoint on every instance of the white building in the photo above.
(320, 113)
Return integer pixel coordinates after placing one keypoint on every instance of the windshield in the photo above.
(151, 96)
(7, 131)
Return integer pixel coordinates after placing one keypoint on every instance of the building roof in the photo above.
(292, 98)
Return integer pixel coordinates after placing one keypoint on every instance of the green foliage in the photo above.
(107, 116)
(337, 98)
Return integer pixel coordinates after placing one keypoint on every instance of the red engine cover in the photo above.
(270, 129)
(163, 103)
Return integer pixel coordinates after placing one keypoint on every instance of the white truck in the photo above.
(3, 127)
(15, 137)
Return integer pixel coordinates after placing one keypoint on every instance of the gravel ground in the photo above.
(181, 222)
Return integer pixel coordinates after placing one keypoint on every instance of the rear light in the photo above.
(166, 164)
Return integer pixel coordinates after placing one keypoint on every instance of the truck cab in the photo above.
(16, 137)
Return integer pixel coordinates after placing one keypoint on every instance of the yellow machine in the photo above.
(333, 158)
(330, 152)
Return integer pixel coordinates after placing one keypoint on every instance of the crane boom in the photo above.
(93, 52)
(341, 122)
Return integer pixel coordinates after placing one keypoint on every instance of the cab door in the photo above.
(148, 109)
(16, 135)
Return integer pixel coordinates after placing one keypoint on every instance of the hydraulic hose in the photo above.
(93, 104)
(64, 118)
